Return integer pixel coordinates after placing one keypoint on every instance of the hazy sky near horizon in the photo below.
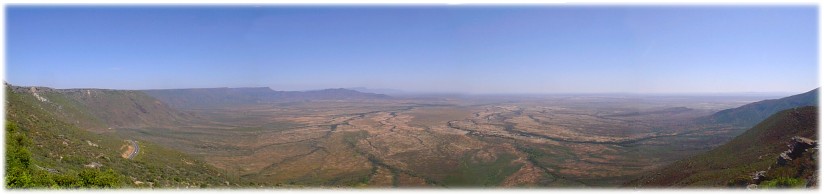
(471, 49)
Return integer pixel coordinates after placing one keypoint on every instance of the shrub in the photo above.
(740, 181)
(99, 179)
(20, 172)
(783, 182)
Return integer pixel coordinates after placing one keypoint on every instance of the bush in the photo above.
(75, 160)
(20, 172)
(67, 181)
(783, 182)
(18, 178)
(740, 181)
(18, 158)
(99, 179)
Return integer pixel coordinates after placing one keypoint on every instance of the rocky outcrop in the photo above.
(798, 145)
(735, 163)
(759, 176)
(93, 165)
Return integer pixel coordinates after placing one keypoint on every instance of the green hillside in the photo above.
(99, 109)
(753, 113)
(755, 150)
(49, 146)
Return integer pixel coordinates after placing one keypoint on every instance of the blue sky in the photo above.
(471, 49)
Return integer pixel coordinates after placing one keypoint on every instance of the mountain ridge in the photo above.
(750, 114)
(59, 145)
(218, 97)
(101, 109)
(754, 150)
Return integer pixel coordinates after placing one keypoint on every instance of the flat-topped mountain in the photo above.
(330, 94)
(211, 97)
(220, 97)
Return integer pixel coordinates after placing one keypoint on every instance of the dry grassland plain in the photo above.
(555, 141)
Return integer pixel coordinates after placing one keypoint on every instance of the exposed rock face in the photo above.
(93, 165)
(34, 92)
(759, 176)
(798, 146)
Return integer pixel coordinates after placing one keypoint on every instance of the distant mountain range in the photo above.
(98, 109)
(378, 90)
(218, 97)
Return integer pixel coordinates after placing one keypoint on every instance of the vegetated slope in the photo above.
(223, 97)
(48, 151)
(99, 109)
(750, 114)
(754, 150)
(212, 97)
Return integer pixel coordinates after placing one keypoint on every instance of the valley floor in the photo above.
(560, 142)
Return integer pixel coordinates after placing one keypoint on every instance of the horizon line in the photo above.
(407, 92)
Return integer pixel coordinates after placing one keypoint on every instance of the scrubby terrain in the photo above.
(55, 141)
(258, 137)
(737, 163)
